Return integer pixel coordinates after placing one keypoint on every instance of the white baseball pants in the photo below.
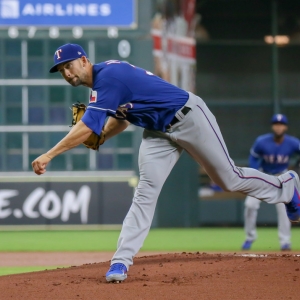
(197, 133)
(250, 217)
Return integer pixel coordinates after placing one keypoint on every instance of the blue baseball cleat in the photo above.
(116, 272)
(247, 245)
(293, 207)
(286, 247)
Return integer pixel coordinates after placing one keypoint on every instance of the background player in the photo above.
(271, 153)
(174, 121)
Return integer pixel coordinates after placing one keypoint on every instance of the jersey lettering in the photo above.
(112, 61)
(279, 159)
(121, 112)
(132, 65)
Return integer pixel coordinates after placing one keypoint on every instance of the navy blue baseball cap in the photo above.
(279, 118)
(66, 53)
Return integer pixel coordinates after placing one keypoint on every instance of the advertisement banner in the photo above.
(54, 203)
(68, 13)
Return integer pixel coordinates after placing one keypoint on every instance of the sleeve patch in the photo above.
(93, 97)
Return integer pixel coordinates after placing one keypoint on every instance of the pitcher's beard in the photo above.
(75, 81)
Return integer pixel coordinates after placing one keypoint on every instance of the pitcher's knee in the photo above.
(252, 202)
(252, 205)
(231, 184)
(227, 187)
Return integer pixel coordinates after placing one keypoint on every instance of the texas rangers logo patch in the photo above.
(93, 97)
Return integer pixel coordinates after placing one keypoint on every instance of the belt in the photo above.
(175, 120)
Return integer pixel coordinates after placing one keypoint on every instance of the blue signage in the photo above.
(68, 13)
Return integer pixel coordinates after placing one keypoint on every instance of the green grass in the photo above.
(169, 240)
(214, 239)
(19, 270)
(197, 239)
(58, 240)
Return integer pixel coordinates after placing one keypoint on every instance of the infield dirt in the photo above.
(167, 276)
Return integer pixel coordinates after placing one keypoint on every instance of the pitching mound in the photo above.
(167, 276)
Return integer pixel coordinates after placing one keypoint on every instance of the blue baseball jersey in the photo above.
(271, 157)
(124, 91)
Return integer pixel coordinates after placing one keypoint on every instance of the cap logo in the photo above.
(57, 53)
(79, 52)
(279, 117)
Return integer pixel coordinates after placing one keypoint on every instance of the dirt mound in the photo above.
(167, 276)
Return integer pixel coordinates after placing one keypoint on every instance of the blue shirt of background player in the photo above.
(127, 92)
(271, 157)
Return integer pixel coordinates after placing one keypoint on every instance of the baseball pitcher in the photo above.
(174, 121)
(271, 153)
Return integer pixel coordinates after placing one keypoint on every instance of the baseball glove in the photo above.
(94, 140)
